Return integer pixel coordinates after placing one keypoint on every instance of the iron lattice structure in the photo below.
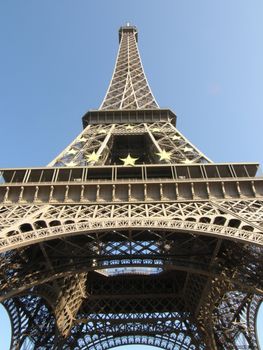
(132, 235)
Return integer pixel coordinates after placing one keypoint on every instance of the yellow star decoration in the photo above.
(187, 161)
(129, 160)
(93, 157)
(156, 129)
(129, 127)
(188, 149)
(71, 164)
(72, 151)
(164, 155)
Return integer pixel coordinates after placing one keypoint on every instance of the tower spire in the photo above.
(128, 88)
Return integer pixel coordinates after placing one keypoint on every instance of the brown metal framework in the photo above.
(132, 235)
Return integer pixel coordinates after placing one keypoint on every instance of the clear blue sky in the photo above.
(203, 59)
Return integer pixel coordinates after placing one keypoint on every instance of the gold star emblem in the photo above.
(70, 163)
(164, 155)
(187, 149)
(72, 151)
(187, 161)
(93, 157)
(156, 129)
(129, 160)
(129, 127)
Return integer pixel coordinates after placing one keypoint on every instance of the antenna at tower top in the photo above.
(128, 28)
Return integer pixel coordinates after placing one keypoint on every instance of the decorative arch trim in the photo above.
(17, 238)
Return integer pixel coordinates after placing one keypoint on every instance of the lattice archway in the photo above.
(142, 232)
(200, 218)
(27, 234)
(182, 334)
(178, 339)
(160, 342)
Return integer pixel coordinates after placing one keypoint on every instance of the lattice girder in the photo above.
(63, 220)
(243, 276)
(96, 326)
(98, 138)
(170, 329)
(99, 252)
(71, 291)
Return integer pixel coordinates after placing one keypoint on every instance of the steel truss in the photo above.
(164, 250)
(99, 138)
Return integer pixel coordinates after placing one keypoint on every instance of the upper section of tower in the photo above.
(128, 29)
(128, 88)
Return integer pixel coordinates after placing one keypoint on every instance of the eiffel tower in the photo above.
(132, 235)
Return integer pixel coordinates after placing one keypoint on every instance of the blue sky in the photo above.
(203, 59)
